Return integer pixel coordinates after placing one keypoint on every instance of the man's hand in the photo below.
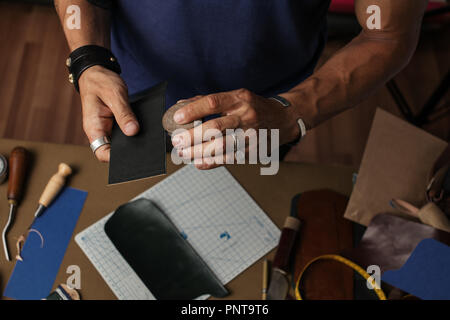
(238, 109)
(103, 93)
(104, 96)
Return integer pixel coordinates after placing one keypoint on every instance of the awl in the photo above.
(18, 161)
(279, 281)
(52, 189)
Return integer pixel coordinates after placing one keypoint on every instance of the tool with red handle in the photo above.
(279, 282)
(18, 162)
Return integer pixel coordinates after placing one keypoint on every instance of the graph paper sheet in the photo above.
(211, 210)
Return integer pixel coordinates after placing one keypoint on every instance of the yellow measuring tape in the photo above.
(346, 262)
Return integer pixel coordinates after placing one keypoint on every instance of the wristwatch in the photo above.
(300, 122)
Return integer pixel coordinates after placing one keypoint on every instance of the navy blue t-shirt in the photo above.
(207, 46)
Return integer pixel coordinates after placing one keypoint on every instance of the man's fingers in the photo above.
(103, 153)
(117, 100)
(206, 149)
(214, 162)
(205, 106)
(97, 123)
(190, 99)
(208, 130)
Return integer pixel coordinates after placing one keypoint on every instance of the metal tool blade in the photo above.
(5, 231)
(279, 285)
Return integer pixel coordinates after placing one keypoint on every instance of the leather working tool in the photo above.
(52, 189)
(265, 281)
(279, 282)
(18, 162)
(64, 292)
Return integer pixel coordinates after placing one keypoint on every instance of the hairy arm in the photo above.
(95, 24)
(365, 64)
(104, 95)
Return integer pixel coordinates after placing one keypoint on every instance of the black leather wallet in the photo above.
(165, 262)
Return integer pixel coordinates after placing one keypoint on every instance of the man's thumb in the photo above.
(126, 119)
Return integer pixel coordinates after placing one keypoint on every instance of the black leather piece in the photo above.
(143, 155)
(161, 257)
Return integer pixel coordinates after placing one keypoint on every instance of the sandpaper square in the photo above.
(143, 155)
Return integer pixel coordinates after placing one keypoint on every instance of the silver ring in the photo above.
(97, 143)
(239, 156)
(235, 142)
(302, 127)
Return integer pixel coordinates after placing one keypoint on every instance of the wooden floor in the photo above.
(37, 102)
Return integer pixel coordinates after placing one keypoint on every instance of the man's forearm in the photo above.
(349, 77)
(94, 27)
(360, 68)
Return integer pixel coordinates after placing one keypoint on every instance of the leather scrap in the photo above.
(389, 241)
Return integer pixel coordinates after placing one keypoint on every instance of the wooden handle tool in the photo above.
(52, 189)
(287, 239)
(54, 186)
(279, 283)
(18, 162)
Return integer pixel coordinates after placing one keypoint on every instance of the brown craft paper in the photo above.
(396, 164)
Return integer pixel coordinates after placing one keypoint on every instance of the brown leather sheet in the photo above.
(324, 231)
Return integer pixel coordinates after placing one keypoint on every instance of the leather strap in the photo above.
(88, 56)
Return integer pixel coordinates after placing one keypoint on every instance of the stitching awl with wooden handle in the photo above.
(279, 282)
(53, 188)
(18, 162)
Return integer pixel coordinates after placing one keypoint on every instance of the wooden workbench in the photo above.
(272, 193)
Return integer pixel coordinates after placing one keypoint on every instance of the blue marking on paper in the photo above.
(225, 235)
(425, 273)
(33, 278)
